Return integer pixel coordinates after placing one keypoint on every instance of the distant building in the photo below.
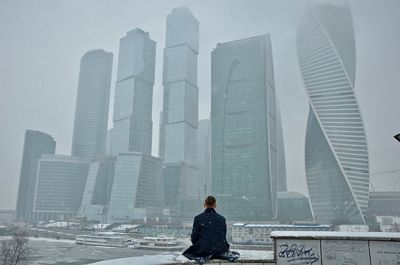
(59, 187)
(337, 166)
(384, 203)
(204, 157)
(92, 103)
(258, 235)
(36, 144)
(96, 196)
(180, 112)
(132, 130)
(137, 191)
(292, 207)
(244, 147)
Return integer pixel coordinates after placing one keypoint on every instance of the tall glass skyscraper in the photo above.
(137, 184)
(337, 165)
(180, 110)
(244, 153)
(59, 187)
(36, 144)
(92, 103)
(134, 94)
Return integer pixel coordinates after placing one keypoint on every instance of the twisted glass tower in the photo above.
(337, 165)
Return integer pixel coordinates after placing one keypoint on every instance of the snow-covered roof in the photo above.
(336, 235)
(280, 225)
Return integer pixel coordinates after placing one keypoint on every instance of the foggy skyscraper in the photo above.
(337, 166)
(137, 183)
(92, 104)
(36, 144)
(134, 94)
(244, 158)
(180, 110)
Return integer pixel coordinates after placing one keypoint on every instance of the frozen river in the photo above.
(66, 252)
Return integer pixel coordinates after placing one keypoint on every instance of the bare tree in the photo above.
(15, 251)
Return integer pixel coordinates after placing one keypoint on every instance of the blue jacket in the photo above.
(208, 234)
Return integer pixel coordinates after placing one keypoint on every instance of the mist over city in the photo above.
(123, 120)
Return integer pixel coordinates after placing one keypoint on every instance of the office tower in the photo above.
(132, 129)
(180, 111)
(137, 189)
(36, 144)
(204, 157)
(244, 159)
(292, 207)
(92, 101)
(97, 193)
(59, 187)
(337, 166)
(282, 177)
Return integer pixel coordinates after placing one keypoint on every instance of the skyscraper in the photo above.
(337, 166)
(180, 110)
(134, 94)
(91, 113)
(137, 188)
(244, 158)
(59, 187)
(36, 144)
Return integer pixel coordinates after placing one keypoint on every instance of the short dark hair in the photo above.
(210, 201)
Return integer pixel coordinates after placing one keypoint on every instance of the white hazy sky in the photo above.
(42, 41)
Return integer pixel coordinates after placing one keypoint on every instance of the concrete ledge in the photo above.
(238, 262)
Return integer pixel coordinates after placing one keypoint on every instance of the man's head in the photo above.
(210, 202)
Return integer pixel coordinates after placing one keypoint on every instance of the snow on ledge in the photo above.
(337, 235)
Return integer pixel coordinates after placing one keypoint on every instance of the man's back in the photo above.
(209, 234)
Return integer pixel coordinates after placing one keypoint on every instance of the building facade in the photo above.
(92, 104)
(97, 193)
(180, 111)
(293, 207)
(244, 154)
(337, 166)
(204, 157)
(132, 130)
(384, 203)
(59, 187)
(36, 144)
(137, 187)
(282, 177)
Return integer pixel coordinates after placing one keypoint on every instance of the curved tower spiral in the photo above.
(337, 166)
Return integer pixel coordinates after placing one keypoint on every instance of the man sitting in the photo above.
(209, 236)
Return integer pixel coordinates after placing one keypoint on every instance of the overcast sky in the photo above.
(42, 42)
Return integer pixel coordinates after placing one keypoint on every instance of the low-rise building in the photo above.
(258, 235)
